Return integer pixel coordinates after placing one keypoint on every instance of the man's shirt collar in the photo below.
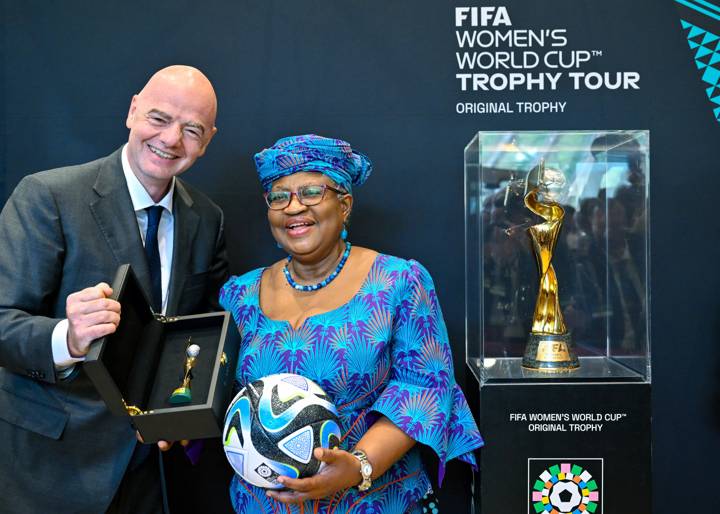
(138, 194)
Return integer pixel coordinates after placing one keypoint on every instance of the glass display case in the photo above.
(557, 256)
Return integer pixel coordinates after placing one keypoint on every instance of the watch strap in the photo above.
(365, 470)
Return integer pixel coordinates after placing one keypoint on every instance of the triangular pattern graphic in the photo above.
(709, 38)
(236, 459)
(711, 75)
(702, 52)
(298, 445)
(695, 31)
(297, 381)
(707, 58)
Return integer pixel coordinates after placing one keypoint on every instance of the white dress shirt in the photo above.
(166, 236)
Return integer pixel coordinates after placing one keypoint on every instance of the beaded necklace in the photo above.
(323, 283)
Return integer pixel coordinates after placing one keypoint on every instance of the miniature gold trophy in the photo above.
(549, 346)
(183, 394)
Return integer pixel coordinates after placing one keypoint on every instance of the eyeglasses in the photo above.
(307, 195)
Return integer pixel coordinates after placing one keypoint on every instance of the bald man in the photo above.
(64, 232)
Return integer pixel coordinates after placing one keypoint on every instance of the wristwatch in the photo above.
(365, 470)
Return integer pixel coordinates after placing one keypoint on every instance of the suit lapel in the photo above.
(114, 214)
(186, 226)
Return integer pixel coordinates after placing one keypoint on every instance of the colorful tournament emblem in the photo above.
(565, 488)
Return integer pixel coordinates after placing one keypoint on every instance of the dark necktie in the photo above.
(152, 252)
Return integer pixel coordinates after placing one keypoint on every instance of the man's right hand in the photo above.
(91, 315)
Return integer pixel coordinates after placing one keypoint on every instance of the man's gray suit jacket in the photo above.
(61, 231)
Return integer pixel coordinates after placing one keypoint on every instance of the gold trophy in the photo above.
(183, 394)
(549, 346)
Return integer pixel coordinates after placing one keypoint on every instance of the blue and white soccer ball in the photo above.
(273, 425)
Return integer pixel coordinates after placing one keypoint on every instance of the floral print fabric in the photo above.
(385, 352)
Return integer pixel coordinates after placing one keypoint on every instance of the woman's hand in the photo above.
(341, 471)
(383, 443)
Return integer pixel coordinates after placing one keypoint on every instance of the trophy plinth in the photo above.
(551, 353)
(181, 395)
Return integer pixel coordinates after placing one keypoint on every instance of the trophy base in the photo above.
(181, 395)
(550, 353)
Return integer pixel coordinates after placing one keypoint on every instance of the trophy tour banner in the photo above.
(495, 56)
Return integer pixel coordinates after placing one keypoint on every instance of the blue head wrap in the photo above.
(332, 157)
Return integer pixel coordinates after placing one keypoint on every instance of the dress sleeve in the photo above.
(228, 293)
(421, 397)
(240, 293)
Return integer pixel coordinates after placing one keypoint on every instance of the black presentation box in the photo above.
(137, 368)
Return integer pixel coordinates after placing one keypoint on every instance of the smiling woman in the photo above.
(365, 326)
(309, 228)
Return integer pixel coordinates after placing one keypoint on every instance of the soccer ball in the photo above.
(565, 496)
(273, 425)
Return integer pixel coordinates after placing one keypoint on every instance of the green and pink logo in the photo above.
(565, 488)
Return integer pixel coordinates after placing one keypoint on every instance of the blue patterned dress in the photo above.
(385, 352)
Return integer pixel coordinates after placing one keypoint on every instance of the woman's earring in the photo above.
(343, 234)
(278, 245)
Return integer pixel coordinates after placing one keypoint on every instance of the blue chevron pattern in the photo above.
(705, 45)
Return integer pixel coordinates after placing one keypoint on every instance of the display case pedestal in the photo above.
(557, 327)
(588, 441)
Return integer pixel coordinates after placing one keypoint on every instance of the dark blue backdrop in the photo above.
(381, 75)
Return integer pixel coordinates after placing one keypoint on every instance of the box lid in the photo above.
(112, 362)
